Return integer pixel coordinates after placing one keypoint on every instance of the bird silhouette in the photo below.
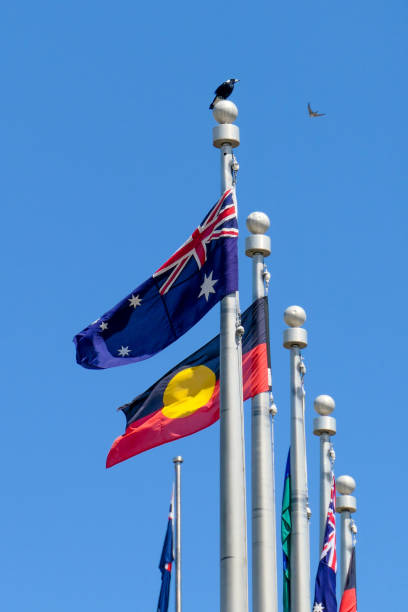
(224, 91)
(314, 113)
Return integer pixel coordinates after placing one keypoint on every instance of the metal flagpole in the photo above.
(233, 544)
(177, 469)
(324, 426)
(264, 576)
(346, 504)
(295, 338)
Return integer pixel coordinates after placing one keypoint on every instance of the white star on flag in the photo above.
(196, 245)
(124, 351)
(135, 301)
(318, 607)
(103, 326)
(208, 286)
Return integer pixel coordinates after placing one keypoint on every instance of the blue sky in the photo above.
(108, 166)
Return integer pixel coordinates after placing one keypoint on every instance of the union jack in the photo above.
(329, 555)
(196, 245)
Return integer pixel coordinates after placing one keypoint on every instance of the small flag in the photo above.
(169, 303)
(349, 599)
(186, 399)
(166, 560)
(286, 529)
(325, 588)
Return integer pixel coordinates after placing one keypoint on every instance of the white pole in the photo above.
(177, 469)
(233, 544)
(324, 426)
(295, 338)
(264, 576)
(346, 504)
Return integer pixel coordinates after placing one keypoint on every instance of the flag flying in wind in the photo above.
(160, 310)
(349, 599)
(166, 560)
(286, 529)
(325, 588)
(186, 399)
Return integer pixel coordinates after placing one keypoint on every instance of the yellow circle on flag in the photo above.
(187, 391)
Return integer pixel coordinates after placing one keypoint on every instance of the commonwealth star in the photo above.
(135, 301)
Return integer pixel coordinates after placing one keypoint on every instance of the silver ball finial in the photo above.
(225, 111)
(294, 316)
(324, 405)
(258, 222)
(178, 459)
(345, 485)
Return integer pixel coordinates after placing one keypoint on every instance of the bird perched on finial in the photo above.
(224, 91)
(314, 113)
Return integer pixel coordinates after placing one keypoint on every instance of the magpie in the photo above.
(224, 91)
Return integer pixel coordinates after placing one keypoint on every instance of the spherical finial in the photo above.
(225, 111)
(178, 459)
(324, 405)
(258, 222)
(294, 316)
(345, 485)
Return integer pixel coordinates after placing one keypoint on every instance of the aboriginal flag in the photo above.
(349, 599)
(186, 399)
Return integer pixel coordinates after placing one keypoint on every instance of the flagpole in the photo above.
(233, 544)
(346, 504)
(177, 472)
(264, 575)
(295, 338)
(324, 426)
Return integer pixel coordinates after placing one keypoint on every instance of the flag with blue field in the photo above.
(165, 564)
(163, 308)
(325, 588)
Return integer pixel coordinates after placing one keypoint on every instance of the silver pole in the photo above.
(346, 504)
(324, 426)
(264, 575)
(233, 546)
(294, 339)
(177, 469)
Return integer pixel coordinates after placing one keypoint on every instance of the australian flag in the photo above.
(166, 560)
(163, 308)
(325, 589)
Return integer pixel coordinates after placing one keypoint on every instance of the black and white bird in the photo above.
(224, 91)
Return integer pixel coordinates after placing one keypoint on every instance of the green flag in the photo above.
(286, 529)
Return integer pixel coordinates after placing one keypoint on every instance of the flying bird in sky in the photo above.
(314, 113)
(224, 91)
